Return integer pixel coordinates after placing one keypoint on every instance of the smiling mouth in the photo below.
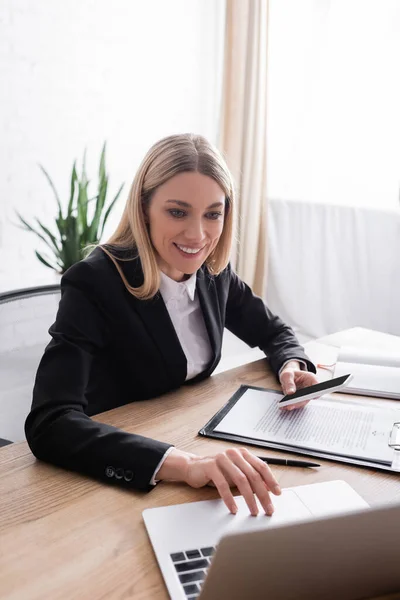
(189, 251)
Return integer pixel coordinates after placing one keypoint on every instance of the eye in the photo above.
(214, 216)
(177, 213)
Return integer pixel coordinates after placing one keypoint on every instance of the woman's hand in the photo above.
(234, 467)
(292, 378)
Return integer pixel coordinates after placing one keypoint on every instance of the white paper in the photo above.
(325, 425)
(367, 356)
(369, 378)
(396, 461)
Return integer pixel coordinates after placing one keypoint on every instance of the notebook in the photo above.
(205, 552)
(375, 372)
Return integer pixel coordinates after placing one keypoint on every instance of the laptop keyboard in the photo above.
(191, 567)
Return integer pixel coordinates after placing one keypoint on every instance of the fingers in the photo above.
(296, 406)
(287, 382)
(292, 378)
(264, 470)
(255, 478)
(305, 378)
(239, 479)
(224, 491)
(237, 467)
(251, 476)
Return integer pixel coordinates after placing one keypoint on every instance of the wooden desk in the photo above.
(63, 536)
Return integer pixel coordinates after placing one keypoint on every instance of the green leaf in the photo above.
(101, 198)
(109, 209)
(28, 227)
(71, 249)
(84, 178)
(82, 208)
(44, 261)
(92, 236)
(61, 226)
(74, 180)
(102, 165)
(102, 193)
(53, 187)
(51, 236)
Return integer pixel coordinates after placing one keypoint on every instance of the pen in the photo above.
(287, 462)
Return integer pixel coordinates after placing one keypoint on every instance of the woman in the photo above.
(143, 314)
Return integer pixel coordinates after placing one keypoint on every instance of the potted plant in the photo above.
(82, 222)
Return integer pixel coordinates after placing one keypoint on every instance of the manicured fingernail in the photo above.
(290, 390)
(270, 509)
(234, 509)
(277, 489)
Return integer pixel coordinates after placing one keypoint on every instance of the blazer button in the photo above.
(110, 471)
(128, 475)
(119, 473)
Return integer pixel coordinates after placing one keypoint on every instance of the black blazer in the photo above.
(109, 349)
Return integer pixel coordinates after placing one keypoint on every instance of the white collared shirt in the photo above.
(184, 309)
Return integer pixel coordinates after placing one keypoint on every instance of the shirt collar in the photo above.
(170, 288)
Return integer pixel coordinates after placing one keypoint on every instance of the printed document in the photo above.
(340, 428)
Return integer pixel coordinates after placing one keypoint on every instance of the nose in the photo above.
(194, 230)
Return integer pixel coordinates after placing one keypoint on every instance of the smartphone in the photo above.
(314, 391)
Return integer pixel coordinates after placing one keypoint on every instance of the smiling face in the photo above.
(186, 219)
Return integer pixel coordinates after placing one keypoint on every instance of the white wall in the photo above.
(78, 72)
(333, 102)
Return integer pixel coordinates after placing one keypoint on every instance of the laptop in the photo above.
(323, 541)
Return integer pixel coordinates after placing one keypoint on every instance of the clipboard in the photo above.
(209, 431)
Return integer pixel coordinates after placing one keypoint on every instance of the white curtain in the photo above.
(333, 101)
(243, 131)
(334, 267)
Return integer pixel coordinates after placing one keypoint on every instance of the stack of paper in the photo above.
(376, 373)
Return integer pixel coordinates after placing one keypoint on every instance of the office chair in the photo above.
(25, 317)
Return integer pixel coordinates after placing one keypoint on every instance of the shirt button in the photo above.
(128, 475)
(119, 473)
(110, 471)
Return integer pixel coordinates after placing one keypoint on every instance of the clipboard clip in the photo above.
(394, 438)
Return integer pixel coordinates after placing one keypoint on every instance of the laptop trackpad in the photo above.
(205, 522)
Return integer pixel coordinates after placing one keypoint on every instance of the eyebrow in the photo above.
(187, 205)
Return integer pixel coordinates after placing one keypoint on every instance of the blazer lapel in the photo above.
(156, 319)
(212, 316)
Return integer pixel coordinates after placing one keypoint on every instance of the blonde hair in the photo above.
(168, 157)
